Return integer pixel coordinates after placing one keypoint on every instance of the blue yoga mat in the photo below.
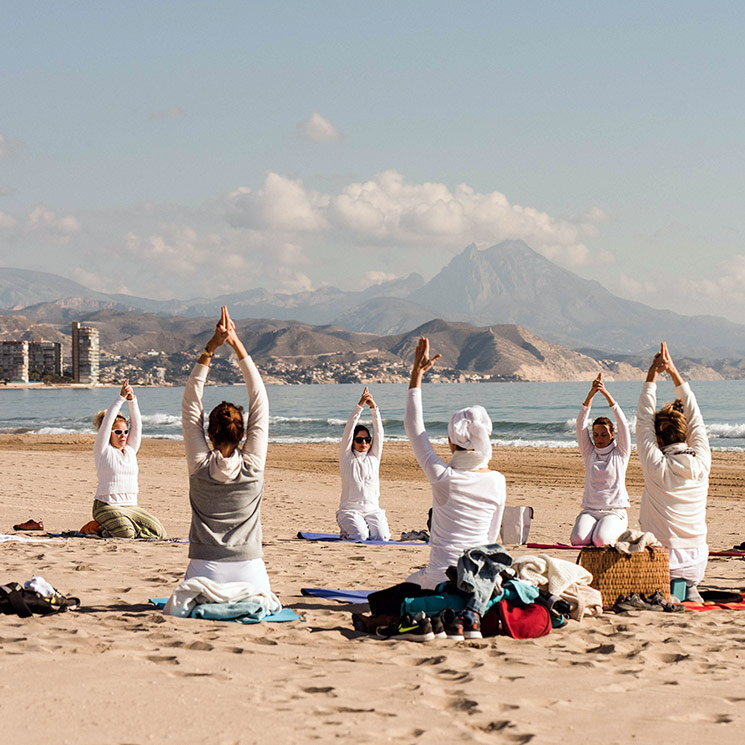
(334, 538)
(344, 596)
(286, 614)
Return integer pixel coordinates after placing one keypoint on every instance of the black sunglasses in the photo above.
(120, 431)
(360, 440)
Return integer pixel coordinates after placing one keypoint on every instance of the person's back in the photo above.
(467, 498)
(467, 511)
(676, 459)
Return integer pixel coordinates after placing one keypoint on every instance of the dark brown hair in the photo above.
(360, 428)
(605, 422)
(226, 424)
(670, 423)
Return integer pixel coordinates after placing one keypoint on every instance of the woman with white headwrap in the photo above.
(467, 498)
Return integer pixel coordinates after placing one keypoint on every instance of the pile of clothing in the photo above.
(486, 594)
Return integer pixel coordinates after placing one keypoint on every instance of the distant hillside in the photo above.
(20, 288)
(506, 284)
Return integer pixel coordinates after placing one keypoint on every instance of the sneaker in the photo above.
(414, 628)
(471, 624)
(438, 626)
(453, 625)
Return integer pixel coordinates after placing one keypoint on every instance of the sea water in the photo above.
(534, 414)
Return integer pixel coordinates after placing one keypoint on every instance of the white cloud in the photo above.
(375, 278)
(172, 112)
(285, 236)
(282, 204)
(317, 128)
(6, 221)
(6, 191)
(96, 282)
(389, 211)
(42, 221)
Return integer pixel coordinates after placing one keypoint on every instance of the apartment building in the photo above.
(85, 354)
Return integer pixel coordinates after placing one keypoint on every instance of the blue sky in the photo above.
(182, 149)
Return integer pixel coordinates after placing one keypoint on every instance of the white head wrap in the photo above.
(470, 429)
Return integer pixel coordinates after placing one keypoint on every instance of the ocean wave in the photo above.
(59, 431)
(161, 420)
(294, 420)
(724, 431)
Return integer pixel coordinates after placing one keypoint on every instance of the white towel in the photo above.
(198, 590)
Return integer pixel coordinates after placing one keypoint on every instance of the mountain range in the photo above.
(508, 283)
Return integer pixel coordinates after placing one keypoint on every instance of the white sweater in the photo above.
(467, 506)
(117, 470)
(676, 478)
(605, 468)
(360, 481)
(196, 445)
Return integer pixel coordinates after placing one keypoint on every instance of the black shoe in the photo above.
(438, 626)
(414, 628)
(453, 625)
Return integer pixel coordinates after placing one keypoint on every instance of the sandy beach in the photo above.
(118, 671)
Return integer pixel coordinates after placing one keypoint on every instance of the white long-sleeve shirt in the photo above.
(605, 468)
(360, 479)
(198, 451)
(117, 470)
(467, 506)
(676, 477)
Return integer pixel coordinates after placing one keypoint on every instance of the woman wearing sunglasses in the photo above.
(115, 452)
(359, 515)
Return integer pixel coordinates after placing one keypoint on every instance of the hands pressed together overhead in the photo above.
(224, 332)
(598, 386)
(663, 363)
(126, 391)
(367, 399)
(422, 362)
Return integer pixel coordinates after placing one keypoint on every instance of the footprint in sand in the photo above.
(320, 689)
(163, 659)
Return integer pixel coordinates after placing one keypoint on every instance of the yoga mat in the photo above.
(334, 538)
(565, 547)
(343, 596)
(715, 606)
(286, 614)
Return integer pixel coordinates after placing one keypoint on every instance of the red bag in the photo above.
(524, 621)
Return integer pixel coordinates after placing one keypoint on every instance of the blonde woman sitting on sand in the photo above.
(226, 480)
(676, 461)
(359, 515)
(115, 452)
(467, 498)
(605, 454)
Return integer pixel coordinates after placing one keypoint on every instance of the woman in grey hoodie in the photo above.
(226, 479)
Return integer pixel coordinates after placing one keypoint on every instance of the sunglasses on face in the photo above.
(360, 440)
(120, 431)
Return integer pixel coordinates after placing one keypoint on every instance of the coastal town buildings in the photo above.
(44, 358)
(85, 354)
(14, 361)
(21, 361)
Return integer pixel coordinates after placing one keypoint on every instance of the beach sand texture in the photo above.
(118, 671)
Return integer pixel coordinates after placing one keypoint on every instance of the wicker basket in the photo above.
(615, 573)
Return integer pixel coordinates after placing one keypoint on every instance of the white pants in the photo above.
(689, 564)
(428, 578)
(359, 526)
(252, 571)
(599, 527)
